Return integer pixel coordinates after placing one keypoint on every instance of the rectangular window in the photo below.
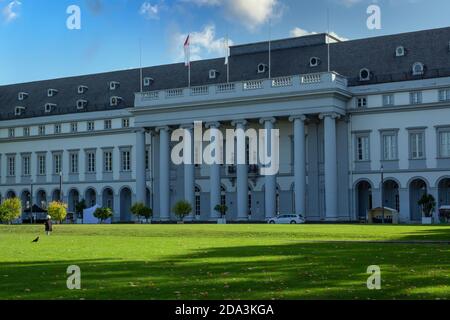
(388, 100)
(417, 145)
(91, 162)
(57, 166)
(362, 148)
(11, 133)
(389, 147)
(147, 160)
(73, 127)
(108, 161)
(74, 163)
(42, 130)
(197, 204)
(444, 95)
(91, 126)
(57, 128)
(41, 165)
(361, 102)
(26, 165)
(416, 97)
(108, 124)
(26, 132)
(125, 123)
(444, 144)
(126, 165)
(11, 166)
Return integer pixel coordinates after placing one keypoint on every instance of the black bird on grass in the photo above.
(36, 240)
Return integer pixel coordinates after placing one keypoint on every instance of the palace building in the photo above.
(377, 106)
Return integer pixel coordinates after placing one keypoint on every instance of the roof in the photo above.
(289, 57)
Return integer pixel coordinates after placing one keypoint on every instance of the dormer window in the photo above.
(51, 92)
(113, 85)
(49, 107)
(400, 51)
(22, 96)
(115, 101)
(148, 81)
(418, 69)
(81, 104)
(364, 74)
(213, 74)
(82, 89)
(314, 62)
(262, 68)
(19, 110)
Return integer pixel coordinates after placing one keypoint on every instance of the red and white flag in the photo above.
(187, 52)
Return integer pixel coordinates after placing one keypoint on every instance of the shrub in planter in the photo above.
(103, 214)
(182, 209)
(428, 204)
(141, 210)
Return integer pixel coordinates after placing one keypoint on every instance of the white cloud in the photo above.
(9, 11)
(202, 44)
(150, 11)
(299, 32)
(251, 13)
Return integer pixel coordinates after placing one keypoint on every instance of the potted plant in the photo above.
(182, 209)
(103, 214)
(428, 205)
(222, 210)
(141, 210)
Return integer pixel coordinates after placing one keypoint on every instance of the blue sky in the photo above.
(36, 44)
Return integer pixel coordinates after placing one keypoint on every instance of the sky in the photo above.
(37, 44)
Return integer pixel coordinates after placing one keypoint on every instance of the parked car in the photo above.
(287, 219)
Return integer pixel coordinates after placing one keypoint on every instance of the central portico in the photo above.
(290, 104)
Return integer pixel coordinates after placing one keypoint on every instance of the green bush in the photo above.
(182, 209)
(103, 214)
(10, 210)
(221, 209)
(141, 210)
(57, 210)
(428, 204)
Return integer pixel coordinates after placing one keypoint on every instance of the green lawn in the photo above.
(224, 262)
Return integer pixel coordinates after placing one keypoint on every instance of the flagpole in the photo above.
(328, 39)
(140, 63)
(270, 48)
(227, 52)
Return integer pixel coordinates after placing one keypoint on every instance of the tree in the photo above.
(10, 210)
(141, 210)
(182, 209)
(103, 214)
(221, 209)
(428, 204)
(79, 207)
(57, 210)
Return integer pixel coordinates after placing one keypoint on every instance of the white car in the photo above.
(287, 219)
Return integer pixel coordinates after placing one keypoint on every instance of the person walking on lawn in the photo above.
(48, 225)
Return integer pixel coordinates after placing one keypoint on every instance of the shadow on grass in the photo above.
(292, 271)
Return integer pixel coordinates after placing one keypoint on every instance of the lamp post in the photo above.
(60, 186)
(31, 201)
(382, 194)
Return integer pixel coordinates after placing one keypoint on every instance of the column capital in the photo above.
(139, 130)
(239, 122)
(301, 117)
(187, 126)
(332, 115)
(212, 125)
(268, 119)
(162, 128)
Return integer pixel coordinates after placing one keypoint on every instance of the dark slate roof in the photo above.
(289, 57)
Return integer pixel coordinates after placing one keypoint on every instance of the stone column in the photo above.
(270, 201)
(189, 167)
(141, 185)
(331, 202)
(215, 168)
(299, 164)
(164, 174)
(242, 170)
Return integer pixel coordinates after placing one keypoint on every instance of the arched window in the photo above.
(418, 69)
(197, 201)
(250, 201)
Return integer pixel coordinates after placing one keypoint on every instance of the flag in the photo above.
(187, 52)
(227, 51)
